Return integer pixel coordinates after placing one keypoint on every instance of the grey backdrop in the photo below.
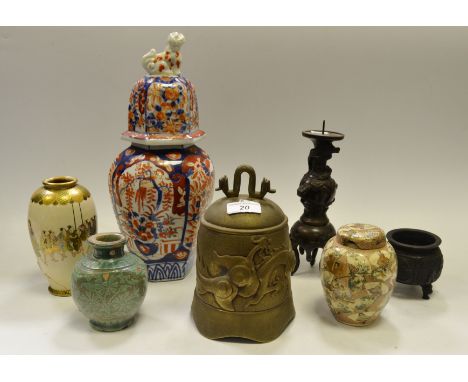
(400, 96)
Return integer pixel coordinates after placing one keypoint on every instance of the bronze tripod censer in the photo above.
(317, 192)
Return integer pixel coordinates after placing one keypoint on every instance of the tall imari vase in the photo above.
(161, 185)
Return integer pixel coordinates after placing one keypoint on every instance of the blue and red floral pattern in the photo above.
(158, 198)
(163, 105)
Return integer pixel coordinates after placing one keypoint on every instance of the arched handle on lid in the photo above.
(264, 188)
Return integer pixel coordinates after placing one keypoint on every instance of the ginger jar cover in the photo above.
(244, 264)
(358, 269)
(161, 185)
(61, 217)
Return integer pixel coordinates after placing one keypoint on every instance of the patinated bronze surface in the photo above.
(244, 262)
(420, 259)
(317, 192)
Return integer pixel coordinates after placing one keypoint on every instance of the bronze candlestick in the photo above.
(317, 192)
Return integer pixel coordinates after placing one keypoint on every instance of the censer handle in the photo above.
(224, 184)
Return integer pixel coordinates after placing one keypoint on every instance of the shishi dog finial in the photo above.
(167, 62)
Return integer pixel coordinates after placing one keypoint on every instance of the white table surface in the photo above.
(35, 322)
(398, 94)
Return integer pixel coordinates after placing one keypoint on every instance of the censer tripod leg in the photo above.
(310, 257)
(296, 255)
(427, 290)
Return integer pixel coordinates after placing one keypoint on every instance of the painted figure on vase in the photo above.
(61, 217)
(55, 246)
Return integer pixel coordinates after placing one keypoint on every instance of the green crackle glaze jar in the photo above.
(109, 284)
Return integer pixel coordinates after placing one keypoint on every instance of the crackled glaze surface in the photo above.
(109, 291)
(358, 282)
(158, 198)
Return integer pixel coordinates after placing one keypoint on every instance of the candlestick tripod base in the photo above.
(307, 239)
(317, 192)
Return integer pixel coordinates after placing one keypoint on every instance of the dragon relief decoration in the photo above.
(240, 283)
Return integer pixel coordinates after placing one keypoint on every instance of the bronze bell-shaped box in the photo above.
(244, 263)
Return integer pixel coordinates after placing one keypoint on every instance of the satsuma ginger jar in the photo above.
(109, 284)
(358, 271)
(61, 217)
(161, 184)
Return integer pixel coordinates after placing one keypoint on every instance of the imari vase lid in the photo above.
(163, 109)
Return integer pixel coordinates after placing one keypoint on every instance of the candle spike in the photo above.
(317, 192)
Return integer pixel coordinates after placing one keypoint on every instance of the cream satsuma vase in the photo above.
(61, 217)
(358, 270)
